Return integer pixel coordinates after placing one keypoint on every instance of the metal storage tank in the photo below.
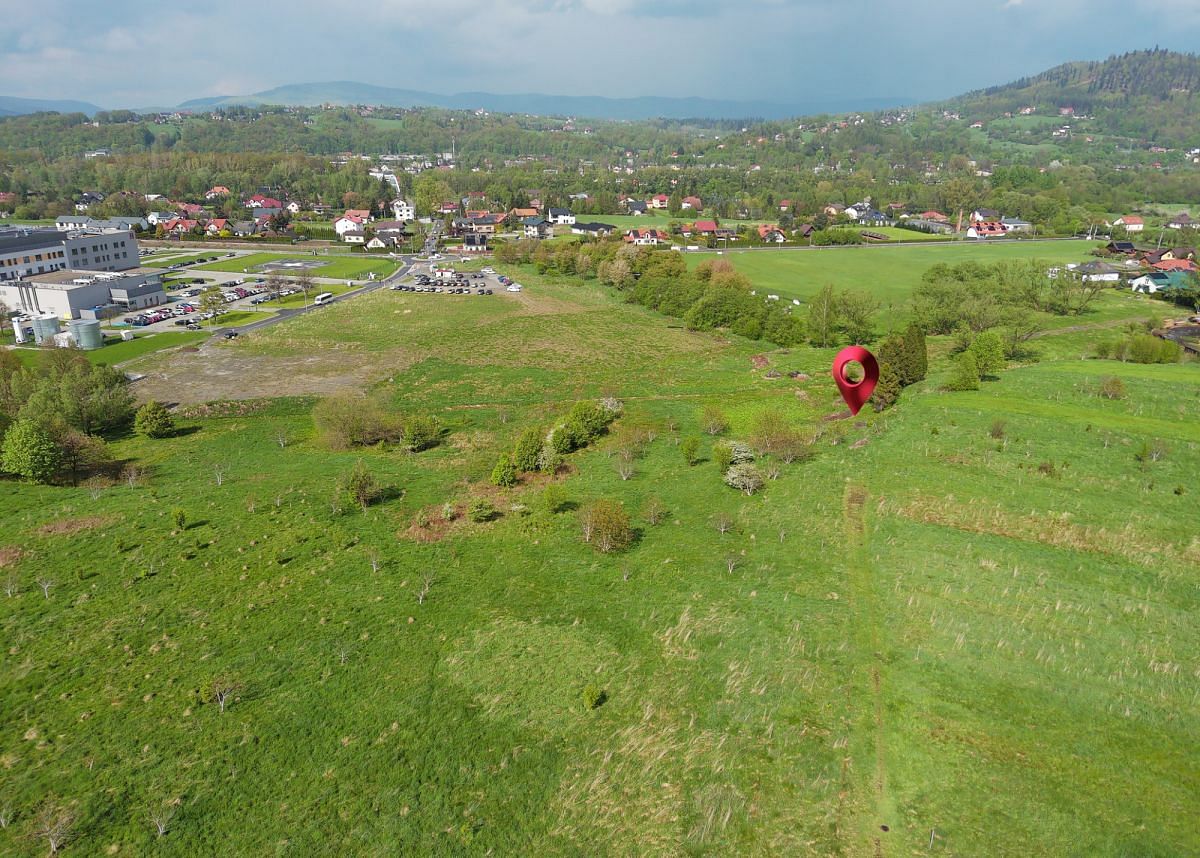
(87, 333)
(45, 327)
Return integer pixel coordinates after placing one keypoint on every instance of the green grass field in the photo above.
(971, 616)
(890, 277)
(342, 267)
(168, 259)
(118, 351)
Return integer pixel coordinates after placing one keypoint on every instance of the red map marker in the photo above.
(856, 393)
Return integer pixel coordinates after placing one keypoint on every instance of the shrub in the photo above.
(1103, 349)
(589, 420)
(529, 448)
(1147, 348)
(714, 421)
(1112, 387)
(30, 451)
(347, 420)
(606, 526)
(179, 517)
(593, 696)
(989, 353)
(505, 473)
(359, 487)
(745, 478)
(1150, 451)
(722, 456)
(690, 447)
(154, 420)
(997, 430)
(481, 510)
(421, 432)
(966, 373)
(1048, 469)
(554, 498)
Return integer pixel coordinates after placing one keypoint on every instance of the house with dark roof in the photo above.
(647, 237)
(560, 216)
(1158, 281)
(771, 234)
(1125, 248)
(537, 227)
(1181, 221)
(475, 243)
(635, 207)
(594, 229)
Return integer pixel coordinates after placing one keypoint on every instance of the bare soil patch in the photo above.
(9, 555)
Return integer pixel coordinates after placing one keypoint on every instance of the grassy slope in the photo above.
(122, 350)
(1002, 655)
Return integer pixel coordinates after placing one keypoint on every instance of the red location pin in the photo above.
(856, 393)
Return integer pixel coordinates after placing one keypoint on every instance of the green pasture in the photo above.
(971, 617)
(342, 267)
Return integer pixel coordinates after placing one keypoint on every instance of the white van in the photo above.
(323, 298)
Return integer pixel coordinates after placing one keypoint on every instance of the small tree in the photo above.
(221, 690)
(916, 363)
(1112, 387)
(690, 447)
(481, 510)
(154, 420)
(54, 823)
(966, 373)
(421, 431)
(654, 510)
(722, 456)
(179, 517)
(554, 498)
(609, 526)
(505, 473)
(887, 389)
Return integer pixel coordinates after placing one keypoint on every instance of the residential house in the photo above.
(347, 223)
(934, 216)
(1097, 272)
(1016, 224)
(857, 210)
(155, 218)
(87, 199)
(934, 227)
(702, 227)
(647, 237)
(635, 207)
(362, 214)
(265, 212)
(354, 236)
(805, 230)
(1179, 253)
(191, 210)
(660, 201)
(244, 228)
(985, 229)
(216, 226)
(1124, 248)
(475, 243)
(1182, 220)
(1157, 281)
(487, 224)
(294, 207)
(216, 192)
(872, 217)
(692, 204)
(1131, 223)
(771, 234)
(560, 216)
(833, 209)
(986, 215)
(536, 227)
(376, 242)
(69, 222)
(447, 208)
(258, 201)
(784, 205)
(1186, 265)
(403, 210)
(521, 214)
(594, 229)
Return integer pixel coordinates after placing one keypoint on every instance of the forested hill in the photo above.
(1140, 77)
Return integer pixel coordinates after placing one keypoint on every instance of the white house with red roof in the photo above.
(691, 203)
(702, 227)
(348, 223)
(659, 201)
(771, 234)
(216, 225)
(215, 192)
(986, 229)
(1132, 223)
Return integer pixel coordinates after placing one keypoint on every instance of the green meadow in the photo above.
(342, 267)
(968, 621)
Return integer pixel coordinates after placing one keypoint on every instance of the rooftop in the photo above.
(71, 278)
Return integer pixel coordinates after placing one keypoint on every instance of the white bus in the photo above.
(323, 298)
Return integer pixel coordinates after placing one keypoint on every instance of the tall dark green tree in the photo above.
(916, 357)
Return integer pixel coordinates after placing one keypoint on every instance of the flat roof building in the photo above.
(28, 252)
(67, 293)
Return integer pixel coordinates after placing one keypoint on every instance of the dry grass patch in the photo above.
(9, 555)
(1054, 529)
(68, 526)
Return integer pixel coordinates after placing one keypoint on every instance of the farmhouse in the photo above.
(521, 214)
(1097, 272)
(771, 234)
(1181, 221)
(1131, 223)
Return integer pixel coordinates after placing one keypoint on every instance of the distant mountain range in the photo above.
(11, 106)
(597, 107)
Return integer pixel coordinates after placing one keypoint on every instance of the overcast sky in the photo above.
(126, 54)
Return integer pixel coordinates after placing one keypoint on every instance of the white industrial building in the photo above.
(28, 252)
(72, 294)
